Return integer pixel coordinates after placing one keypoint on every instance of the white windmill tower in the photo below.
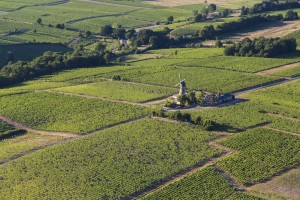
(182, 84)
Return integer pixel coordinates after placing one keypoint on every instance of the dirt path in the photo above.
(113, 4)
(19, 125)
(74, 41)
(100, 98)
(286, 132)
(44, 4)
(276, 69)
(188, 172)
(278, 29)
(22, 126)
(284, 117)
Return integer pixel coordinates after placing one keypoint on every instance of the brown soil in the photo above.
(25, 127)
(273, 70)
(278, 29)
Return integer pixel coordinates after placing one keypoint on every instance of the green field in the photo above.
(261, 154)
(205, 184)
(112, 164)
(56, 112)
(121, 91)
(14, 146)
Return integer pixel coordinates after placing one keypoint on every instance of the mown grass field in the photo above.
(113, 164)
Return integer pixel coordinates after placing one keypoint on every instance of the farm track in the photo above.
(44, 4)
(188, 172)
(100, 98)
(19, 125)
(276, 69)
(100, 16)
(286, 132)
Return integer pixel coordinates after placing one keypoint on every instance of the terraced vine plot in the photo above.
(120, 91)
(191, 29)
(235, 63)
(261, 154)
(56, 112)
(7, 5)
(205, 184)
(205, 79)
(112, 164)
(12, 147)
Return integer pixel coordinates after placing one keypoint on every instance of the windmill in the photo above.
(182, 84)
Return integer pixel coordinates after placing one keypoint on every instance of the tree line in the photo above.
(261, 47)
(270, 6)
(49, 62)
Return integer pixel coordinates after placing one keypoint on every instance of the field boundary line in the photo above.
(189, 171)
(282, 131)
(22, 126)
(69, 139)
(94, 97)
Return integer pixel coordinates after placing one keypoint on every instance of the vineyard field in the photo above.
(14, 146)
(235, 63)
(55, 112)
(112, 164)
(205, 184)
(261, 154)
(121, 91)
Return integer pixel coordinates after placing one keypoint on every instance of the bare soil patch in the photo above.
(286, 185)
(273, 70)
(278, 29)
(221, 3)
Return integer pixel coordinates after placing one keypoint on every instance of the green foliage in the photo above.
(114, 163)
(261, 154)
(14, 146)
(262, 47)
(27, 52)
(66, 113)
(205, 184)
(120, 91)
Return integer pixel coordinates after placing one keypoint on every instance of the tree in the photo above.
(154, 41)
(212, 7)
(107, 57)
(100, 47)
(106, 30)
(88, 33)
(219, 44)
(291, 15)
(10, 57)
(170, 19)
(182, 99)
(119, 33)
(39, 21)
(199, 18)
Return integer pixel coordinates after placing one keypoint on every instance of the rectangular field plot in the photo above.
(120, 91)
(55, 112)
(286, 185)
(205, 79)
(14, 146)
(291, 72)
(205, 184)
(245, 64)
(112, 164)
(189, 52)
(261, 154)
